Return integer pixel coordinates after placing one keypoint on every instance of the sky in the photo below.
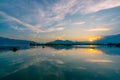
(48, 20)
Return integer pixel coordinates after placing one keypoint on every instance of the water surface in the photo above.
(61, 63)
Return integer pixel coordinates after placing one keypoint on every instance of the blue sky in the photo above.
(47, 20)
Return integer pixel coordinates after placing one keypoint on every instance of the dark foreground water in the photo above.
(60, 63)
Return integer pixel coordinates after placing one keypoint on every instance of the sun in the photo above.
(91, 40)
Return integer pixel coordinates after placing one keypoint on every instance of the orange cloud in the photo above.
(99, 61)
(99, 29)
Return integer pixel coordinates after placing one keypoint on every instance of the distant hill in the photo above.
(110, 39)
(9, 41)
(66, 42)
(60, 42)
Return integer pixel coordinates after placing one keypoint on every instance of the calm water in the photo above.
(61, 63)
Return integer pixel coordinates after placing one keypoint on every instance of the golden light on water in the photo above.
(95, 51)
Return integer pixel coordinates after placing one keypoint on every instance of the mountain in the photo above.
(60, 42)
(110, 39)
(66, 42)
(8, 41)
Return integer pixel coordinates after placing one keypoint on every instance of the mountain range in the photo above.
(9, 41)
(106, 39)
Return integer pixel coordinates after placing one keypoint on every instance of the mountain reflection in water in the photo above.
(61, 63)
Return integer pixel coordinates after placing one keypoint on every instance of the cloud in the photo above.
(62, 8)
(79, 23)
(102, 5)
(100, 61)
(55, 29)
(99, 29)
(53, 14)
(91, 6)
(18, 28)
(31, 27)
(58, 11)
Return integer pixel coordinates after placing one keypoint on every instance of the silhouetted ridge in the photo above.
(60, 42)
(4, 40)
(110, 39)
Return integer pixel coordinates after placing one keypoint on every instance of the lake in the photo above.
(60, 63)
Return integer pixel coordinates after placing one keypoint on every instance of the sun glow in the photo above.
(92, 39)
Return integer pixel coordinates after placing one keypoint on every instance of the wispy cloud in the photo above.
(64, 7)
(46, 18)
(59, 10)
(55, 29)
(99, 29)
(79, 23)
(99, 61)
(101, 5)
(31, 27)
(18, 28)
(91, 6)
